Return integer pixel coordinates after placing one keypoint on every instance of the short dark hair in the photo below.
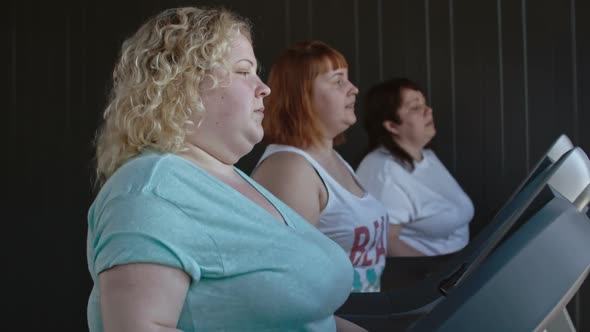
(382, 103)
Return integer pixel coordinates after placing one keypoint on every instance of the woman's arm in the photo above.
(142, 297)
(292, 179)
(396, 246)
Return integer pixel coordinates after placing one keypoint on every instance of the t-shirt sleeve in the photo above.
(379, 180)
(144, 228)
(396, 201)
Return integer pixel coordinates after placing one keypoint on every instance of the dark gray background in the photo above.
(505, 78)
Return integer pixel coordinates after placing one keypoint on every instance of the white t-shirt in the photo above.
(358, 224)
(431, 206)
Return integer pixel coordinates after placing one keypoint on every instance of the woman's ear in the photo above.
(390, 126)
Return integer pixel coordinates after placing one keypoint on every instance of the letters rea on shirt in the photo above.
(367, 250)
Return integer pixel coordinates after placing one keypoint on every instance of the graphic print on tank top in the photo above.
(367, 254)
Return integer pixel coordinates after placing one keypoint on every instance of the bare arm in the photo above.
(396, 246)
(342, 325)
(294, 181)
(142, 297)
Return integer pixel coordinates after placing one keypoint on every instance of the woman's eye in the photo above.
(244, 73)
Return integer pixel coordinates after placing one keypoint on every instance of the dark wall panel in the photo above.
(549, 59)
(300, 19)
(415, 43)
(442, 80)
(393, 24)
(582, 70)
(404, 39)
(491, 109)
(513, 89)
(367, 67)
(477, 115)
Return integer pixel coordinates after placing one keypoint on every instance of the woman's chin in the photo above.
(258, 134)
(349, 123)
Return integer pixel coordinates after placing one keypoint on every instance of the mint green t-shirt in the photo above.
(249, 272)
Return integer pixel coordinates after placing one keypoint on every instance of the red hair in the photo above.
(289, 117)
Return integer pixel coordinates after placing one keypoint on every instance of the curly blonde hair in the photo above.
(156, 82)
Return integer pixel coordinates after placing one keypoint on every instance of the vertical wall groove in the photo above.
(453, 91)
(501, 87)
(309, 20)
(406, 42)
(68, 70)
(575, 117)
(574, 72)
(13, 66)
(526, 85)
(428, 62)
(357, 62)
(380, 37)
(287, 13)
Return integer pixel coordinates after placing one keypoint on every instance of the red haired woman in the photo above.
(312, 104)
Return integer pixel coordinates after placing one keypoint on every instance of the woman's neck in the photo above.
(324, 149)
(207, 161)
(414, 150)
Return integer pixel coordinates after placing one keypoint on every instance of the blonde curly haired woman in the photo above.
(178, 238)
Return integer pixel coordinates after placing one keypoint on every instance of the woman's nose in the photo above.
(263, 90)
(353, 89)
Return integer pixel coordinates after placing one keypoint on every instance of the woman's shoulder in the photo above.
(146, 170)
(432, 159)
(429, 153)
(287, 160)
(284, 154)
(380, 160)
(159, 174)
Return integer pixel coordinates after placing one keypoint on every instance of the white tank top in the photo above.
(358, 224)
